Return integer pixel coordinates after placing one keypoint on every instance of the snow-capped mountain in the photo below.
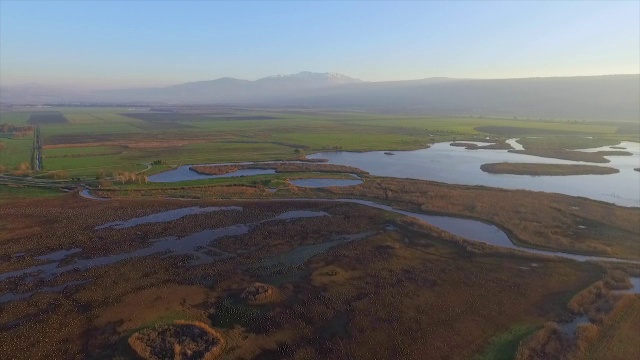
(327, 78)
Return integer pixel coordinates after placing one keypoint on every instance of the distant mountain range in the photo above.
(611, 97)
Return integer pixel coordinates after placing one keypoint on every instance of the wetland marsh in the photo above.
(281, 244)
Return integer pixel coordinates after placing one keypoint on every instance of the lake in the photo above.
(456, 165)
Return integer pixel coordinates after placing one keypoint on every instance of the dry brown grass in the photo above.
(536, 219)
(22, 169)
(279, 167)
(546, 169)
(130, 177)
(606, 328)
(547, 343)
(214, 170)
(260, 294)
(179, 340)
(435, 297)
(57, 175)
(618, 337)
(594, 157)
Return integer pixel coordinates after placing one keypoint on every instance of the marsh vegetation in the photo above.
(149, 274)
(546, 169)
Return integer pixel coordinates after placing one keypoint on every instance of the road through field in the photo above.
(36, 157)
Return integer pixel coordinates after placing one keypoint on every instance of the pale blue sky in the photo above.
(141, 43)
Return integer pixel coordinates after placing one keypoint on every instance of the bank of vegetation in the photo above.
(535, 219)
(286, 167)
(608, 314)
(471, 146)
(546, 169)
(330, 306)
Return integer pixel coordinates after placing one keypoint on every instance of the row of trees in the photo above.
(130, 177)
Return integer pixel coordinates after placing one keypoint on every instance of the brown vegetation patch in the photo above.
(215, 192)
(594, 157)
(15, 131)
(618, 336)
(548, 343)
(259, 294)
(279, 167)
(331, 275)
(439, 299)
(538, 219)
(604, 309)
(56, 175)
(142, 307)
(546, 169)
(180, 340)
(214, 170)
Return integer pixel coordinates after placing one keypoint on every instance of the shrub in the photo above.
(59, 174)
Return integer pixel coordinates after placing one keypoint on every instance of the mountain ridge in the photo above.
(602, 97)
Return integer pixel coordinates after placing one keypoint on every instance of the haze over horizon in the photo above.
(105, 45)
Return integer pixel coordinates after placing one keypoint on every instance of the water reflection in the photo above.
(456, 165)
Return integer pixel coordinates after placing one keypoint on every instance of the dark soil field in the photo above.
(47, 118)
(403, 290)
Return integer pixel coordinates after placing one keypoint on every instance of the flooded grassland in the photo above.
(286, 279)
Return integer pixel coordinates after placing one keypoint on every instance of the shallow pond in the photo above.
(456, 165)
(183, 173)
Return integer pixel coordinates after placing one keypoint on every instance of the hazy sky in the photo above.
(141, 43)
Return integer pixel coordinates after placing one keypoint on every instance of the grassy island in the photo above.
(546, 169)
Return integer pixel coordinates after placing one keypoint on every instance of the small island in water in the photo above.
(546, 169)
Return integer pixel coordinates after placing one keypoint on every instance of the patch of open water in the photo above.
(166, 216)
(456, 165)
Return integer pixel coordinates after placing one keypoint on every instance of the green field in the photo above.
(116, 139)
(11, 193)
(13, 152)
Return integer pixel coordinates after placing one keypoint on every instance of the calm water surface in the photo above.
(183, 173)
(457, 165)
